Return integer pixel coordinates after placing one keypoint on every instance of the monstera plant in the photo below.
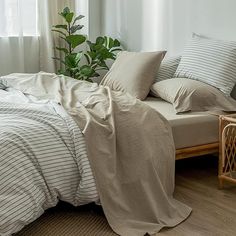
(96, 56)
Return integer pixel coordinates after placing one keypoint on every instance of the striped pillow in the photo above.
(210, 61)
(168, 68)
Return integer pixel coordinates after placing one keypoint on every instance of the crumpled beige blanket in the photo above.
(130, 149)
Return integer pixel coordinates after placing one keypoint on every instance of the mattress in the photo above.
(189, 129)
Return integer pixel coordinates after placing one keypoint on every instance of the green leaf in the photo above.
(58, 31)
(106, 43)
(98, 47)
(61, 71)
(115, 50)
(105, 54)
(92, 55)
(78, 57)
(74, 28)
(60, 27)
(87, 71)
(78, 18)
(69, 17)
(103, 64)
(65, 11)
(100, 40)
(111, 43)
(70, 61)
(65, 50)
(87, 58)
(116, 43)
(75, 40)
(91, 45)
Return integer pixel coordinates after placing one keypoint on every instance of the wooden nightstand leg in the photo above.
(220, 182)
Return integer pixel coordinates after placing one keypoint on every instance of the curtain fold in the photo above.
(19, 54)
(48, 16)
(24, 47)
(18, 36)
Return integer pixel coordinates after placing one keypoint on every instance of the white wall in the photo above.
(146, 25)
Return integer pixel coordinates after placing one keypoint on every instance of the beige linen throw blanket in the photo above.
(130, 149)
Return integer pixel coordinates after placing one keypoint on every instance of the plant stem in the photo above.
(69, 31)
(70, 48)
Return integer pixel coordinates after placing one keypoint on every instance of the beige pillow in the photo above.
(191, 95)
(134, 72)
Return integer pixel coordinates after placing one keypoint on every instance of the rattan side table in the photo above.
(227, 149)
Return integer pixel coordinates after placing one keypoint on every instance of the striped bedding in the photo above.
(210, 61)
(43, 159)
(132, 159)
(167, 68)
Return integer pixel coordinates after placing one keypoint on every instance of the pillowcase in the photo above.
(134, 72)
(191, 95)
(168, 68)
(210, 61)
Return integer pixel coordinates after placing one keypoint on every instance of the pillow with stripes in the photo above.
(167, 68)
(210, 61)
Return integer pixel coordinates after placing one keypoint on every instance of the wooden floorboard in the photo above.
(214, 210)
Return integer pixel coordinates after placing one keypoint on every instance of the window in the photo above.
(18, 18)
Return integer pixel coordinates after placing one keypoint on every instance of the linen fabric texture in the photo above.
(191, 95)
(189, 128)
(134, 72)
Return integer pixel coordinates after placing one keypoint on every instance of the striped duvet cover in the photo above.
(42, 159)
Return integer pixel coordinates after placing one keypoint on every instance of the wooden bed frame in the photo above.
(200, 150)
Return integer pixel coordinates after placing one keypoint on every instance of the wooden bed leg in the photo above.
(220, 182)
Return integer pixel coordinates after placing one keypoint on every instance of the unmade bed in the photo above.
(132, 160)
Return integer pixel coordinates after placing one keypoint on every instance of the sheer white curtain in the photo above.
(18, 36)
(48, 16)
(153, 25)
(26, 40)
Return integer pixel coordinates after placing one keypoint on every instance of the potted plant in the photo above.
(96, 57)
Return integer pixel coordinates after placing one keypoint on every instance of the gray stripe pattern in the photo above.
(43, 159)
(210, 61)
(168, 68)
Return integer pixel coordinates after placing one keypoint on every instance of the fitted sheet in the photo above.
(189, 129)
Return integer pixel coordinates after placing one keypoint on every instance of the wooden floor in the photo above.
(214, 211)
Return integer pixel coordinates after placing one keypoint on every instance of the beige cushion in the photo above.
(134, 72)
(190, 95)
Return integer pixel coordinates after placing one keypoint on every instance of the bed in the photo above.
(195, 133)
(129, 144)
(69, 140)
